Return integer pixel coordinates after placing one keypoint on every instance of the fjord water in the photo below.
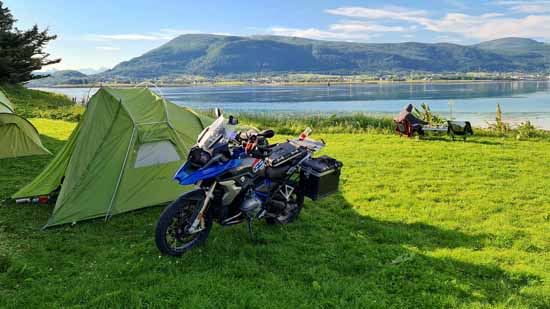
(520, 101)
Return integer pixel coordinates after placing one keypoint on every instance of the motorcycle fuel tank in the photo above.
(249, 166)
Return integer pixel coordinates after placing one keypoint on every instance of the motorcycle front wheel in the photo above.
(171, 236)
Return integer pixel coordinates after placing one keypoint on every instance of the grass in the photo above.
(288, 123)
(295, 124)
(417, 224)
(41, 104)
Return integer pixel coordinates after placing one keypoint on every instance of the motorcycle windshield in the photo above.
(218, 132)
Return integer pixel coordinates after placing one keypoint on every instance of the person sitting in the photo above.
(406, 118)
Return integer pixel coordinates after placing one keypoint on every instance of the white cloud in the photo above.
(533, 26)
(162, 35)
(492, 26)
(359, 26)
(107, 48)
(390, 12)
(352, 30)
(313, 33)
(529, 7)
(386, 13)
(125, 37)
(486, 26)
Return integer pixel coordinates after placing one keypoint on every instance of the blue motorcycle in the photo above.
(240, 177)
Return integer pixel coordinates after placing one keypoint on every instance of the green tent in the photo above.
(18, 137)
(121, 156)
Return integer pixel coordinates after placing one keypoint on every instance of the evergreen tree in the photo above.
(21, 52)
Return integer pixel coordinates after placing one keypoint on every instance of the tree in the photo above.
(21, 52)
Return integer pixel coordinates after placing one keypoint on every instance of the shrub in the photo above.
(500, 126)
(427, 115)
(525, 131)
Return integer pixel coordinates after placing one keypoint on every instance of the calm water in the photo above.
(520, 101)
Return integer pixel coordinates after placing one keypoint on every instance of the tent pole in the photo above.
(146, 84)
(121, 173)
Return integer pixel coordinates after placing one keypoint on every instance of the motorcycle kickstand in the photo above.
(250, 233)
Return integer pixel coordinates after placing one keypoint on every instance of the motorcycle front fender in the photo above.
(193, 195)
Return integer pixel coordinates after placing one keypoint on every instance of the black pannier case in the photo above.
(320, 177)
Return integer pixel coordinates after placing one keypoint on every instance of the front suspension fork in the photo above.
(197, 219)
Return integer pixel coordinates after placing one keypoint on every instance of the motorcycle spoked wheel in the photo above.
(171, 237)
(293, 209)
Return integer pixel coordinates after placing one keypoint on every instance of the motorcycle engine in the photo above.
(251, 205)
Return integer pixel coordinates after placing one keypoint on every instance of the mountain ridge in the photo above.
(220, 55)
(60, 77)
(212, 55)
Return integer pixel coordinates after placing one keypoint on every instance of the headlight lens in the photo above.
(198, 156)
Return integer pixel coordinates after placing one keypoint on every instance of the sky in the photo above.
(104, 33)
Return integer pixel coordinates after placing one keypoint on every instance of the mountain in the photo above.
(532, 54)
(236, 56)
(60, 77)
(512, 45)
(213, 55)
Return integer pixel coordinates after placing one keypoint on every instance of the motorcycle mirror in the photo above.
(233, 121)
(218, 112)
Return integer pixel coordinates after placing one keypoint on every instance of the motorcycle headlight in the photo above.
(198, 156)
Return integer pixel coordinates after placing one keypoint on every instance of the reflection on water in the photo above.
(476, 102)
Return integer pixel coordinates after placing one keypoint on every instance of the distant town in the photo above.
(298, 79)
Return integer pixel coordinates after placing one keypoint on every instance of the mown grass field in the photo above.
(418, 224)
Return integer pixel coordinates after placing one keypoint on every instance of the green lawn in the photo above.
(418, 224)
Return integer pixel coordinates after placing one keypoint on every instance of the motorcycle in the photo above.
(238, 177)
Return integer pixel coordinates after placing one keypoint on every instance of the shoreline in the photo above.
(478, 118)
(291, 84)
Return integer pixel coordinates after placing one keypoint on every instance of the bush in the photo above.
(525, 131)
(427, 115)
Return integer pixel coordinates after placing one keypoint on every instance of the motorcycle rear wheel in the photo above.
(171, 237)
